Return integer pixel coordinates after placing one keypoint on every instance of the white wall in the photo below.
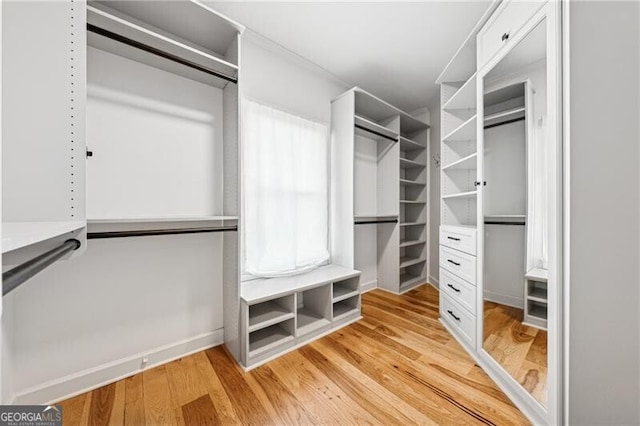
(127, 297)
(434, 193)
(603, 342)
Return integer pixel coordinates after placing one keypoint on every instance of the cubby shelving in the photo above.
(466, 131)
(409, 164)
(536, 298)
(279, 314)
(345, 307)
(465, 163)
(464, 98)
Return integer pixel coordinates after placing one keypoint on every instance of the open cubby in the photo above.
(412, 276)
(346, 307)
(537, 290)
(345, 289)
(313, 310)
(265, 314)
(271, 337)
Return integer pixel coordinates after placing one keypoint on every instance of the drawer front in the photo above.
(463, 239)
(458, 318)
(461, 264)
(507, 20)
(459, 290)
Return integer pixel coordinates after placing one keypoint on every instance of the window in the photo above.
(285, 204)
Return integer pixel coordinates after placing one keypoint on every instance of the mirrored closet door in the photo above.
(518, 213)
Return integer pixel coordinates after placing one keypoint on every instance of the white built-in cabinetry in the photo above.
(379, 191)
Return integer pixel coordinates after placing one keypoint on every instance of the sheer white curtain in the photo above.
(285, 206)
(538, 203)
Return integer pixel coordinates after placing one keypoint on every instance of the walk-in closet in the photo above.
(310, 212)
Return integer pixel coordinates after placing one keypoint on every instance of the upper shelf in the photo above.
(117, 32)
(465, 132)
(157, 223)
(465, 97)
(17, 235)
(463, 63)
(407, 144)
(466, 163)
(368, 128)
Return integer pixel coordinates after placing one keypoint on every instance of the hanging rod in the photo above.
(157, 52)
(513, 120)
(154, 232)
(367, 222)
(496, 222)
(21, 273)
(382, 135)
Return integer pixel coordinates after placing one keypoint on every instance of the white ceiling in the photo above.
(395, 50)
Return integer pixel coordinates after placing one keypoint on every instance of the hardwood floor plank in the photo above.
(134, 401)
(373, 402)
(221, 401)
(117, 412)
(200, 412)
(249, 409)
(157, 397)
(101, 405)
(283, 400)
(72, 409)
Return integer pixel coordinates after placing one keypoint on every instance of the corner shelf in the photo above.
(466, 163)
(464, 98)
(465, 132)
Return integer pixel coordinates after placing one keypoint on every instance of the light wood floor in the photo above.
(520, 349)
(396, 366)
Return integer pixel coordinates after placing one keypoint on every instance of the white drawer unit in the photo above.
(459, 290)
(461, 238)
(503, 24)
(458, 317)
(461, 264)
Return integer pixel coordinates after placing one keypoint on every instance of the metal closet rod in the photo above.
(382, 135)
(154, 232)
(21, 273)
(157, 52)
(367, 222)
(513, 120)
(496, 222)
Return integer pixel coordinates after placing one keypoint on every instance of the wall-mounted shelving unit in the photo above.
(383, 186)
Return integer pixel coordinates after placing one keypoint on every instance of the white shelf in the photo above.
(413, 224)
(409, 164)
(267, 338)
(465, 97)
(343, 291)
(409, 261)
(466, 163)
(374, 127)
(408, 280)
(537, 274)
(309, 321)
(407, 144)
(159, 222)
(256, 291)
(412, 202)
(17, 235)
(503, 116)
(407, 182)
(538, 311)
(344, 308)
(538, 294)
(123, 25)
(469, 194)
(411, 243)
(464, 132)
(266, 314)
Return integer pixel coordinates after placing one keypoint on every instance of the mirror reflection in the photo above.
(515, 209)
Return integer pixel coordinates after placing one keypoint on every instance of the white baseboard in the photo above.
(93, 378)
(434, 282)
(503, 299)
(371, 285)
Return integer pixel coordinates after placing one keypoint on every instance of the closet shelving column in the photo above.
(177, 114)
(459, 200)
(414, 155)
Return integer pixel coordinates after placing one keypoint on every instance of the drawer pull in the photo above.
(454, 238)
(457, 290)
(451, 261)
(505, 36)
(453, 315)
